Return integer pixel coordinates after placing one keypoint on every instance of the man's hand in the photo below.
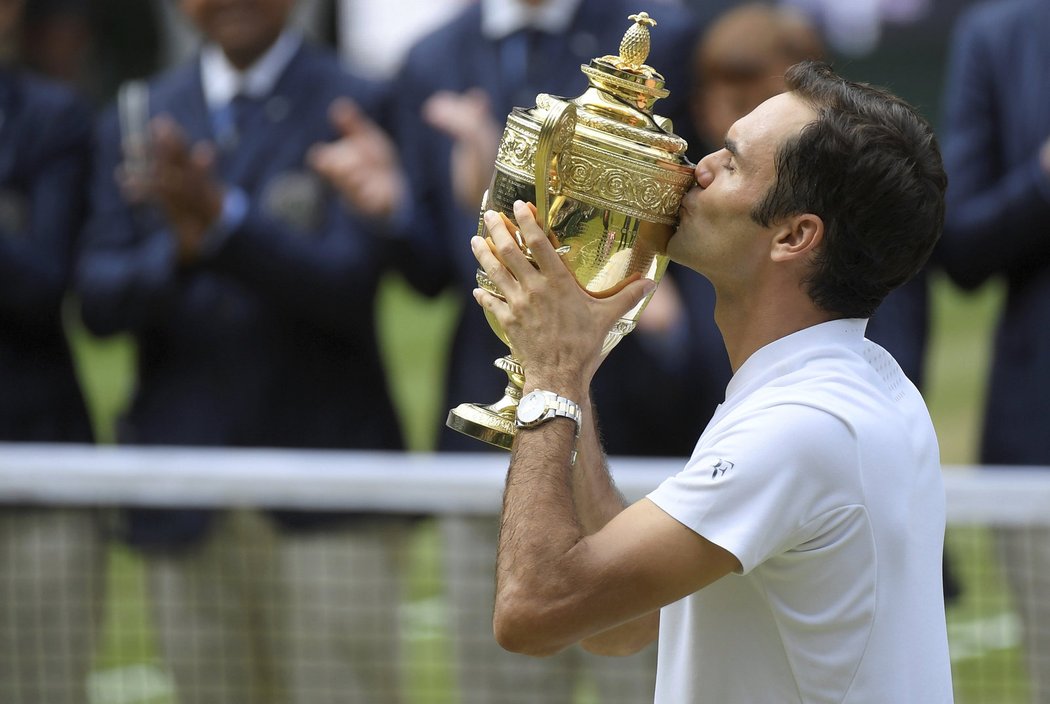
(555, 327)
(362, 164)
(466, 118)
(180, 180)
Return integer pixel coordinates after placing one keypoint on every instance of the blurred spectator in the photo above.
(454, 92)
(740, 62)
(52, 559)
(250, 291)
(996, 142)
(94, 45)
(179, 39)
(58, 39)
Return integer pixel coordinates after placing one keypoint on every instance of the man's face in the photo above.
(716, 235)
(244, 29)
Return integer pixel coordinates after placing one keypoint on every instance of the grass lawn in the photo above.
(414, 335)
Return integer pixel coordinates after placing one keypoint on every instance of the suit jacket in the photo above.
(998, 208)
(640, 389)
(271, 340)
(45, 140)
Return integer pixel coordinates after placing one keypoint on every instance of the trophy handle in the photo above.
(554, 140)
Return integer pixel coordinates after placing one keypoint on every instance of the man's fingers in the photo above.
(615, 288)
(507, 247)
(630, 295)
(539, 243)
(491, 264)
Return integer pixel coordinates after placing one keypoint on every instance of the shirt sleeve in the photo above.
(755, 483)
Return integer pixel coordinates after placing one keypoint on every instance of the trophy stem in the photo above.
(493, 423)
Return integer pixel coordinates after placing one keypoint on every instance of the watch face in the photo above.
(531, 407)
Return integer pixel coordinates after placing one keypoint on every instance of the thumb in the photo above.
(347, 117)
(630, 295)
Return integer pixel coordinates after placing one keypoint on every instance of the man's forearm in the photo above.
(549, 507)
(595, 496)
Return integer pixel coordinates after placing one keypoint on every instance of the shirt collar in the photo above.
(774, 358)
(500, 18)
(222, 81)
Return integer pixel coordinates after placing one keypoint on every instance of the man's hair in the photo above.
(870, 168)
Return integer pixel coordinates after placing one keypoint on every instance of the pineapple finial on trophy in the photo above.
(634, 47)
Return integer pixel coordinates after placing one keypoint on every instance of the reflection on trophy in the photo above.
(606, 176)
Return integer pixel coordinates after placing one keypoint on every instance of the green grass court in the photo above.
(986, 661)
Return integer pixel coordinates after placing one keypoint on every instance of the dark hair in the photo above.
(870, 168)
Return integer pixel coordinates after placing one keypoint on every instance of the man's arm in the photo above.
(557, 585)
(572, 563)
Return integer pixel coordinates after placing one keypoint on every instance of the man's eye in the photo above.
(729, 165)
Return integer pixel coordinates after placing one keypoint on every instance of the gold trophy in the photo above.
(606, 176)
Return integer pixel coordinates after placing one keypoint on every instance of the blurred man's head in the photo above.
(740, 62)
(244, 29)
(10, 20)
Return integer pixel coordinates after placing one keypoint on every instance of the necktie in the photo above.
(233, 120)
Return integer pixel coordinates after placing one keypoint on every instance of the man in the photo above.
(997, 155)
(249, 288)
(797, 557)
(454, 92)
(52, 559)
(740, 62)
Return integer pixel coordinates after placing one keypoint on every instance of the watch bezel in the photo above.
(531, 408)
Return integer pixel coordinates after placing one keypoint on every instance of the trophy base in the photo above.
(494, 423)
(480, 422)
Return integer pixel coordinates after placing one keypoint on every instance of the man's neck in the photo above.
(751, 322)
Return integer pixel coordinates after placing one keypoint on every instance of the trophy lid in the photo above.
(623, 90)
(627, 75)
(605, 147)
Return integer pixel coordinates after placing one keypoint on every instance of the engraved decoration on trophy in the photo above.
(607, 176)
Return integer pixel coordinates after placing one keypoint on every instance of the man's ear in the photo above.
(797, 236)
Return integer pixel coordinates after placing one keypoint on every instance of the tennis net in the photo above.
(313, 576)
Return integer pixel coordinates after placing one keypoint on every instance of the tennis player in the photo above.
(797, 556)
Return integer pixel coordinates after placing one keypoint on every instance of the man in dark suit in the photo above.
(52, 559)
(250, 290)
(454, 92)
(996, 143)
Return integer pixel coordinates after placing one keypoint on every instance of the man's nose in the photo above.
(703, 173)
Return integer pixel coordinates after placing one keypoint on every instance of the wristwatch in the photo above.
(538, 407)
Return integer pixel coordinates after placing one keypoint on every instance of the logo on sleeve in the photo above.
(720, 468)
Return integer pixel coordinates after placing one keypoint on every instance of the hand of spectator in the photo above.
(362, 164)
(180, 180)
(1044, 157)
(466, 118)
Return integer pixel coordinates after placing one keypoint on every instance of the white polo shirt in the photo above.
(821, 474)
